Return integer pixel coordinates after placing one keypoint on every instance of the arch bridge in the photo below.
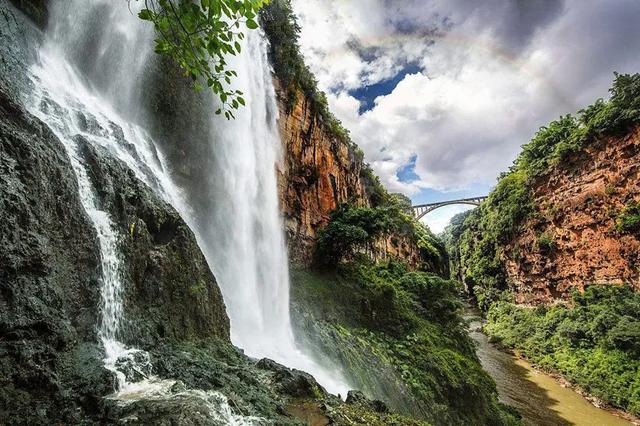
(422, 209)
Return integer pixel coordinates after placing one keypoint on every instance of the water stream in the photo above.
(89, 82)
(540, 399)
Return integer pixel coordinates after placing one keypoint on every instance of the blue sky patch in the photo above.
(407, 173)
(367, 94)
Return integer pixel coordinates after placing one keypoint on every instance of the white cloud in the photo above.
(496, 72)
(438, 219)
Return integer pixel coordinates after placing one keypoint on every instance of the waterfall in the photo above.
(92, 65)
(243, 234)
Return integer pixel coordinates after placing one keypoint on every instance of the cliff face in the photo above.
(318, 172)
(571, 240)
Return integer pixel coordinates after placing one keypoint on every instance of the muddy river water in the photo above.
(537, 396)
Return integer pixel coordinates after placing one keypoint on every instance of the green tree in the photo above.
(198, 35)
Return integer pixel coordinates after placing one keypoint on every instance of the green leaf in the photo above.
(145, 15)
(251, 24)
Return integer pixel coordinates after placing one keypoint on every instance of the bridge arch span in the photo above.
(421, 210)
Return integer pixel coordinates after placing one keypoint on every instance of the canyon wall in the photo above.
(318, 172)
(571, 240)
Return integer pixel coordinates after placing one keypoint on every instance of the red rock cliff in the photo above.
(577, 206)
(318, 173)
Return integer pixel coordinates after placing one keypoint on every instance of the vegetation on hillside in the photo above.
(594, 344)
(451, 237)
(399, 335)
(628, 221)
(353, 230)
(488, 229)
(199, 35)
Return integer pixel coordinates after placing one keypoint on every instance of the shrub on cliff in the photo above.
(595, 343)
(629, 219)
(353, 230)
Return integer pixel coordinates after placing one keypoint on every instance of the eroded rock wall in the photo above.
(576, 209)
(318, 172)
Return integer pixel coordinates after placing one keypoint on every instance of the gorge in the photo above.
(163, 264)
(138, 221)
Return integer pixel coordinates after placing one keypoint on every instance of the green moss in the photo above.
(400, 338)
(357, 415)
(546, 243)
(198, 288)
(595, 344)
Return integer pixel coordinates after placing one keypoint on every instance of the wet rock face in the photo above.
(291, 382)
(577, 206)
(170, 292)
(36, 10)
(49, 279)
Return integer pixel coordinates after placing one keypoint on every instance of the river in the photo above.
(537, 396)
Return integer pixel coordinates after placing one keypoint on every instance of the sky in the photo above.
(441, 94)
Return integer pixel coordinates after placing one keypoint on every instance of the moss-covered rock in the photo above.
(395, 348)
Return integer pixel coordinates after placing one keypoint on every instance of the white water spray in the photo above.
(241, 231)
(243, 235)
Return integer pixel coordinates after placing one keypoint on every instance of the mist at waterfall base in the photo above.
(92, 66)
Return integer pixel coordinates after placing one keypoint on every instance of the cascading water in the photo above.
(91, 67)
(242, 235)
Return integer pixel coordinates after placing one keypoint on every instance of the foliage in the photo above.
(375, 191)
(546, 244)
(595, 344)
(629, 219)
(353, 230)
(281, 27)
(384, 315)
(350, 229)
(198, 35)
(486, 230)
(357, 415)
(451, 237)
(568, 135)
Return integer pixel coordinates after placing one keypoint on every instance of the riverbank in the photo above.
(541, 398)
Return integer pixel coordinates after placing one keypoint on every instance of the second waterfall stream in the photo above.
(93, 63)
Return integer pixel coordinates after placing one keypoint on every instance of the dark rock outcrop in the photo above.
(49, 279)
(292, 382)
(37, 10)
(171, 293)
(358, 398)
